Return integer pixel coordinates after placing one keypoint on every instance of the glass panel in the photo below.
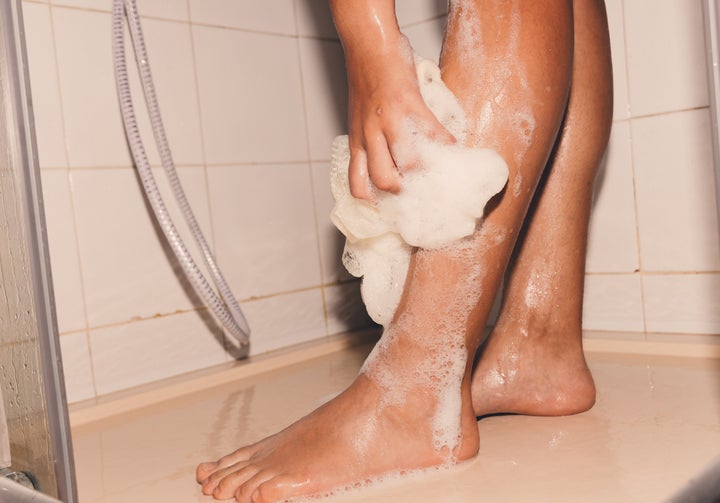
(30, 374)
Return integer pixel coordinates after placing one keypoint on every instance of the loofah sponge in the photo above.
(441, 200)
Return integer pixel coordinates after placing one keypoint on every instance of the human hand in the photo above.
(387, 117)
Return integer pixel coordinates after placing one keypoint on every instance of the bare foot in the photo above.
(531, 374)
(391, 419)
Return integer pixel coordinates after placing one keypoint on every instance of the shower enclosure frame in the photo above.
(22, 150)
(711, 15)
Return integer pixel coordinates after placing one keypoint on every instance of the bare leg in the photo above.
(533, 362)
(411, 406)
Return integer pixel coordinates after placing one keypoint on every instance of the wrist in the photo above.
(368, 27)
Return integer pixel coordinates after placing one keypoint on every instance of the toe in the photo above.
(203, 471)
(246, 492)
(226, 486)
(215, 478)
(276, 489)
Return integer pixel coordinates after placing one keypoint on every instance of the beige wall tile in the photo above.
(165, 9)
(272, 16)
(127, 273)
(426, 38)
(314, 19)
(251, 98)
(148, 350)
(415, 11)
(613, 302)
(332, 242)
(266, 238)
(675, 193)
(77, 368)
(612, 245)
(94, 132)
(285, 319)
(47, 110)
(682, 303)
(616, 24)
(666, 56)
(64, 257)
(325, 88)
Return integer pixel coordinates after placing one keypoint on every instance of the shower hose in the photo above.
(224, 306)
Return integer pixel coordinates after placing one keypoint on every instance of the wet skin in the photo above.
(525, 108)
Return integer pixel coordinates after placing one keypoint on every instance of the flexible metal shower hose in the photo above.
(225, 307)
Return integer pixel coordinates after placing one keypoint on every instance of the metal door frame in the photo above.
(24, 151)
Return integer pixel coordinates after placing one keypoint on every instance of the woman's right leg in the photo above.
(410, 407)
(533, 361)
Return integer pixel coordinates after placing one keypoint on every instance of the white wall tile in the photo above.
(682, 303)
(64, 258)
(95, 135)
(325, 86)
(165, 9)
(345, 308)
(616, 25)
(612, 244)
(105, 5)
(250, 91)
(44, 85)
(613, 302)
(266, 238)
(285, 320)
(144, 351)
(426, 38)
(77, 369)
(675, 194)
(126, 272)
(176, 10)
(314, 19)
(414, 11)
(92, 121)
(666, 56)
(332, 242)
(273, 16)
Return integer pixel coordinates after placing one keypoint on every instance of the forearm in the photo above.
(367, 27)
(383, 94)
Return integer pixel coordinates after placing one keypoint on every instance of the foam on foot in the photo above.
(441, 200)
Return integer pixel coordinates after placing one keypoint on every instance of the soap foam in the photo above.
(378, 486)
(441, 200)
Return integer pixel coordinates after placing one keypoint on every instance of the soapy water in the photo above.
(365, 489)
(441, 201)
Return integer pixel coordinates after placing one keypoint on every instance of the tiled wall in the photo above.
(252, 94)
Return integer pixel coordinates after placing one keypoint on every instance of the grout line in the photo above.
(632, 168)
(669, 112)
(313, 192)
(241, 164)
(193, 310)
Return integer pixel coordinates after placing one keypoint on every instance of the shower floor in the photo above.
(656, 424)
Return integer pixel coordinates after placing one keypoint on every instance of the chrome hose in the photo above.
(225, 307)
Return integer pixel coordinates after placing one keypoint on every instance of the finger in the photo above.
(358, 175)
(381, 166)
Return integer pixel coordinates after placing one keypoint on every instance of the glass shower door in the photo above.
(34, 432)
